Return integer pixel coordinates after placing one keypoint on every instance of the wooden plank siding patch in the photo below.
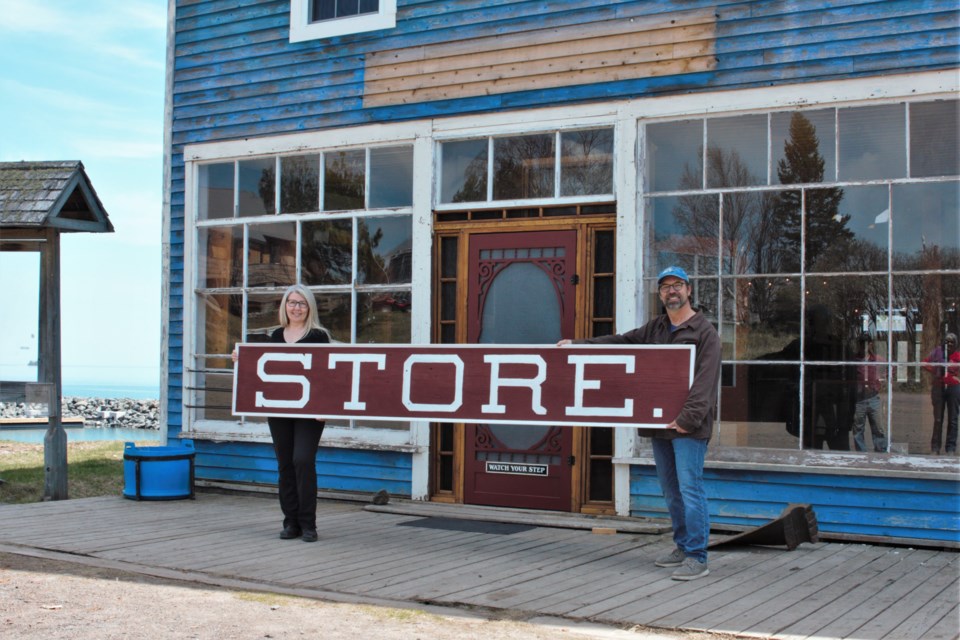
(603, 51)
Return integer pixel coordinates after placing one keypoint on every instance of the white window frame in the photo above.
(301, 29)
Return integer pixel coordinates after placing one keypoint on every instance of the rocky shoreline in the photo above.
(123, 413)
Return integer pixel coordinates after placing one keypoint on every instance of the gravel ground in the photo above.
(54, 599)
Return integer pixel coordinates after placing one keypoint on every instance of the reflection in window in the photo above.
(586, 162)
(219, 326)
(873, 142)
(333, 309)
(215, 191)
(221, 258)
(935, 138)
(675, 155)
(523, 167)
(685, 232)
(330, 9)
(272, 255)
(763, 313)
(300, 184)
(383, 317)
(263, 316)
(343, 182)
(255, 187)
(327, 252)
(737, 151)
(391, 177)
(464, 171)
(384, 250)
(803, 146)
(926, 225)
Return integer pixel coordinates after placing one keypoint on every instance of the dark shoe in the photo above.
(309, 535)
(289, 533)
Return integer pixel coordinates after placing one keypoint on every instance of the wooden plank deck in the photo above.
(823, 590)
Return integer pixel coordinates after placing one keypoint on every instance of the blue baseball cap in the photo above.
(674, 271)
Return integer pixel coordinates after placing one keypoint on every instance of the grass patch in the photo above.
(93, 469)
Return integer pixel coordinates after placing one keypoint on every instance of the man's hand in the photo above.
(673, 425)
(564, 342)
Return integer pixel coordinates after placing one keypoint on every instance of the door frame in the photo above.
(462, 231)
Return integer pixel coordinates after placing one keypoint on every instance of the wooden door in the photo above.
(520, 291)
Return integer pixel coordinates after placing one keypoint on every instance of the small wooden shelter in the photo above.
(38, 202)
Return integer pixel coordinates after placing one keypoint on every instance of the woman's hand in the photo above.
(233, 355)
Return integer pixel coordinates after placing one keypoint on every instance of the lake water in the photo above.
(35, 436)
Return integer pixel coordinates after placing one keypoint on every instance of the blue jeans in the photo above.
(680, 471)
(868, 409)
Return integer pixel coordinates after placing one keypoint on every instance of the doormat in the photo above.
(468, 526)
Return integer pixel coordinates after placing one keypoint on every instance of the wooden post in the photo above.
(55, 440)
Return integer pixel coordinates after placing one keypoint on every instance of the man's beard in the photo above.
(675, 303)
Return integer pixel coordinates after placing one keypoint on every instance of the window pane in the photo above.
(214, 395)
(926, 226)
(911, 416)
(935, 138)
(256, 182)
(675, 155)
(272, 255)
(763, 314)
(215, 191)
(263, 316)
(218, 326)
(873, 142)
(343, 183)
(383, 317)
(523, 167)
(831, 242)
(586, 162)
(384, 250)
(684, 232)
(925, 308)
(828, 400)
(327, 252)
(333, 310)
(761, 232)
(391, 177)
(760, 407)
(464, 171)
(850, 304)
(300, 184)
(329, 9)
(803, 145)
(737, 151)
(221, 257)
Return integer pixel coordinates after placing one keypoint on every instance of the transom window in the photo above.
(540, 166)
(314, 19)
(825, 246)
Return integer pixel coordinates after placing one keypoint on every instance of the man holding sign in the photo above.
(679, 450)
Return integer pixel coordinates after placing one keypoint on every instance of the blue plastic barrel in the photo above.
(158, 473)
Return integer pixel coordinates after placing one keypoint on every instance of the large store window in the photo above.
(338, 222)
(825, 246)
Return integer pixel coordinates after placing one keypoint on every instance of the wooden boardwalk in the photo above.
(823, 590)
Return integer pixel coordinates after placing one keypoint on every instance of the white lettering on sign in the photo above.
(535, 383)
(518, 468)
(357, 359)
(581, 384)
(419, 358)
(303, 358)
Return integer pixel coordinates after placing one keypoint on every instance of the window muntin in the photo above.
(314, 19)
(809, 270)
(357, 260)
(527, 167)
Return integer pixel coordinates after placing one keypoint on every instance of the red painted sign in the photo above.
(582, 385)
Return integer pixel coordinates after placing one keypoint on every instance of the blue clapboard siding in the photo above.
(236, 75)
(886, 507)
(337, 469)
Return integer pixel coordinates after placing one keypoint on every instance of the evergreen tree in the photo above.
(827, 234)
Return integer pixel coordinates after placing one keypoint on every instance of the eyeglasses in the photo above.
(674, 286)
(297, 303)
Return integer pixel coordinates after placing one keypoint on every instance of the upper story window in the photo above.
(314, 19)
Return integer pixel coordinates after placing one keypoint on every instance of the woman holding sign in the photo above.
(295, 440)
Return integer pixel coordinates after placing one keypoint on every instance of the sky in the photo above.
(84, 80)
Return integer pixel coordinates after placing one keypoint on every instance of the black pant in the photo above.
(295, 442)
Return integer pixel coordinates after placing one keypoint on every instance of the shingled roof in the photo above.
(50, 194)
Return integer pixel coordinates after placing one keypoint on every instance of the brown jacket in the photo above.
(699, 410)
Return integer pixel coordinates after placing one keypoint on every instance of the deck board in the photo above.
(835, 590)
